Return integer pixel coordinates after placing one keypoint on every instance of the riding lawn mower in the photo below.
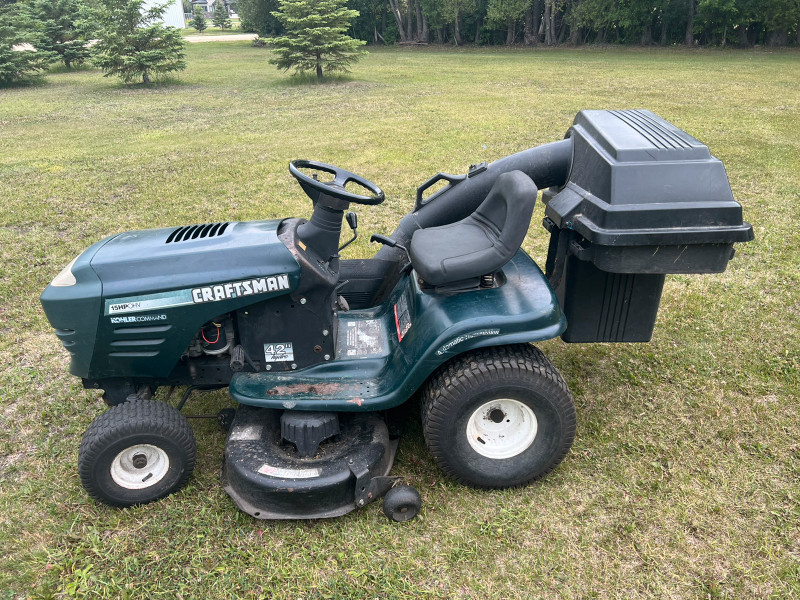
(317, 349)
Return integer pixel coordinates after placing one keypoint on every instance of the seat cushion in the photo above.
(446, 254)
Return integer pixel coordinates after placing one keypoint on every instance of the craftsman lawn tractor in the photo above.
(316, 349)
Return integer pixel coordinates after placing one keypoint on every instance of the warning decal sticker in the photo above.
(364, 338)
(402, 317)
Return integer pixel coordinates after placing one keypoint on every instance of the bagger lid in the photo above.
(636, 179)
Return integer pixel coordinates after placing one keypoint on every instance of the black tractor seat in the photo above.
(458, 254)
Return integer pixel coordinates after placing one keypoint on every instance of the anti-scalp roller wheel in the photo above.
(401, 503)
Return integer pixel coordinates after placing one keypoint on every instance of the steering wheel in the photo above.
(335, 188)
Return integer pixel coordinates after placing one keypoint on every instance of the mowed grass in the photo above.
(683, 480)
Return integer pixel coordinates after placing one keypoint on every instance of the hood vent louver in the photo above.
(194, 232)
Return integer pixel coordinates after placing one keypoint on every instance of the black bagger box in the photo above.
(642, 199)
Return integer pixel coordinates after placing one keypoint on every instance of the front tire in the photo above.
(136, 452)
(498, 417)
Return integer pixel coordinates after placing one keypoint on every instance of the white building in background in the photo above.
(173, 16)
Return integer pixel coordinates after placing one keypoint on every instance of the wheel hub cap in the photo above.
(502, 428)
(139, 467)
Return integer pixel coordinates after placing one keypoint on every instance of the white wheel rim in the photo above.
(502, 428)
(139, 467)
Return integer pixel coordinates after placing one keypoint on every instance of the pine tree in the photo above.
(221, 18)
(315, 38)
(134, 44)
(199, 21)
(16, 64)
(57, 30)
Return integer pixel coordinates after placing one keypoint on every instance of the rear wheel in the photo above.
(498, 417)
(136, 452)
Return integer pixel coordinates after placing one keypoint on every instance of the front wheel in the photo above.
(498, 417)
(136, 452)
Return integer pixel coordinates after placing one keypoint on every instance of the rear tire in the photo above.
(136, 452)
(498, 417)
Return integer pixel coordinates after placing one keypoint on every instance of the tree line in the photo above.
(124, 38)
(743, 23)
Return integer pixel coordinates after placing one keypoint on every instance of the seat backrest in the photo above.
(508, 208)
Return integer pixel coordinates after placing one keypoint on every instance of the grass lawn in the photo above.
(684, 480)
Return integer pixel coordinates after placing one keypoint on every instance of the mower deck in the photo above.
(268, 479)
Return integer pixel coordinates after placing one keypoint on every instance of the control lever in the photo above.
(387, 241)
(352, 221)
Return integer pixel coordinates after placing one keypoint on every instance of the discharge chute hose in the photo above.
(547, 165)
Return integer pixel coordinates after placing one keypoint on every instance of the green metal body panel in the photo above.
(138, 300)
(73, 310)
(384, 354)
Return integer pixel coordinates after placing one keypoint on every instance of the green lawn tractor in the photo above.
(317, 349)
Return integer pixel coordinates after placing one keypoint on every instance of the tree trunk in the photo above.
(529, 37)
(511, 33)
(548, 23)
(574, 35)
(420, 36)
(410, 20)
(457, 29)
(423, 34)
(560, 30)
(383, 23)
(664, 6)
(741, 31)
(319, 66)
(538, 11)
(398, 17)
(422, 25)
(145, 77)
(689, 39)
(479, 23)
(574, 28)
(647, 36)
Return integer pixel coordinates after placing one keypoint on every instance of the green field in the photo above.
(684, 480)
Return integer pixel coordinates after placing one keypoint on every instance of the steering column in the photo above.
(322, 232)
